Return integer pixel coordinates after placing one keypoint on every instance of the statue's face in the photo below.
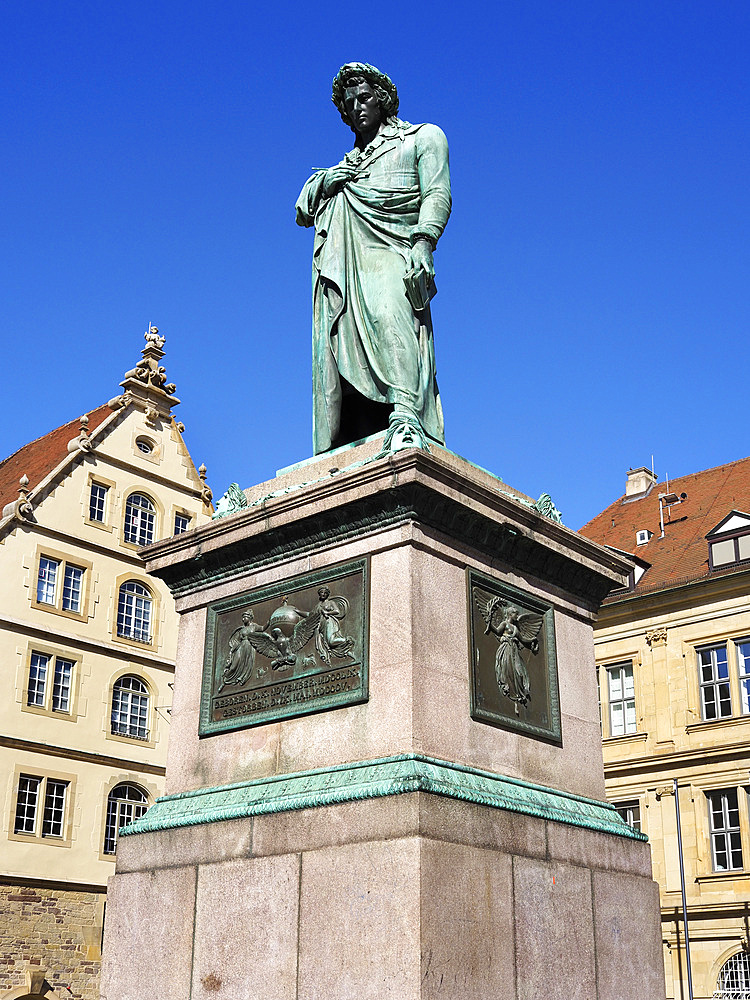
(362, 108)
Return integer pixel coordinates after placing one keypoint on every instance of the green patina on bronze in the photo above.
(287, 649)
(373, 779)
(378, 215)
(512, 658)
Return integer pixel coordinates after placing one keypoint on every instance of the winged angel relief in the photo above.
(288, 631)
(514, 630)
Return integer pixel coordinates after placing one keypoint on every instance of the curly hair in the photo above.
(382, 86)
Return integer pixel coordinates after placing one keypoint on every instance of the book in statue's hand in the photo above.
(419, 288)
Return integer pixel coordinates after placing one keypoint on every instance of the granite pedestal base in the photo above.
(398, 846)
(409, 896)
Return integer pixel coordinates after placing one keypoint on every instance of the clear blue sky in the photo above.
(593, 280)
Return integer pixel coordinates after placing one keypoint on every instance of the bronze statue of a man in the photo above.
(378, 215)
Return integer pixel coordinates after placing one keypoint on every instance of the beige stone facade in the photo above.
(673, 652)
(87, 642)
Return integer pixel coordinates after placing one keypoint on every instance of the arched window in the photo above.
(140, 518)
(130, 708)
(734, 978)
(134, 607)
(125, 803)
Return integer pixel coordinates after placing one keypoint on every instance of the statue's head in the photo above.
(353, 76)
(324, 593)
(247, 616)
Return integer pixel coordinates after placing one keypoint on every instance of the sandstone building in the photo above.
(88, 645)
(673, 658)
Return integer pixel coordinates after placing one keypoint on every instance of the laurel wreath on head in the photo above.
(382, 85)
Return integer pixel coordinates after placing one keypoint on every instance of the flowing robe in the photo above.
(364, 328)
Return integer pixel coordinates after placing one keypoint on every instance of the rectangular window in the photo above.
(54, 808)
(26, 804)
(724, 826)
(41, 673)
(32, 791)
(630, 812)
(47, 581)
(98, 502)
(61, 686)
(71, 598)
(730, 550)
(60, 585)
(181, 524)
(37, 679)
(743, 667)
(713, 671)
(621, 689)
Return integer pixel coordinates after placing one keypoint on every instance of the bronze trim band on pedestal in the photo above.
(376, 779)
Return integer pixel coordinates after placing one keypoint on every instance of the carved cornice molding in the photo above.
(371, 779)
(485, 532)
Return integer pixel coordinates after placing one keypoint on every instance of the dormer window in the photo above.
(729, 541)
(641, 537)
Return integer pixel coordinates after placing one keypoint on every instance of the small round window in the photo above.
(144, 445)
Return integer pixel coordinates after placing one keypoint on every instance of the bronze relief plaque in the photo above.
(289, 649)
(513, 659)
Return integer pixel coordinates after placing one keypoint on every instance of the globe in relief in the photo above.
(284, 618)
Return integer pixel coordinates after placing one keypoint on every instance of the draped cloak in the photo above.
(364, 328)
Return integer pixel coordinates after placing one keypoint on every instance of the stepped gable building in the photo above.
(87, 646)
(673, 658)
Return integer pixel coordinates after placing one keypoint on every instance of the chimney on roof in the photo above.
(639, 482)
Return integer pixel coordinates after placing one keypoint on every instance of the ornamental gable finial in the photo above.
(148, 380)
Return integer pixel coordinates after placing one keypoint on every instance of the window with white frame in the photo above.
(125, 803)
(60, 584)
(40, 806)
(144, 445)
(98, 503)
(724, 828)
(733, 982)
(713, 676)
(134, 612)
(140, 519)
(743, 669)
(726, 551)
(621, 693)
(50, 682)
(630, 812)
(130, 708)
(181, 523)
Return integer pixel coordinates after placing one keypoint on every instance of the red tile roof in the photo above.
(38, 458)
(682, 554)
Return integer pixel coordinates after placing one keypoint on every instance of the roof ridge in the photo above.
(700, 472)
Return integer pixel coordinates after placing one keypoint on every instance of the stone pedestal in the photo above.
(399, 845)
